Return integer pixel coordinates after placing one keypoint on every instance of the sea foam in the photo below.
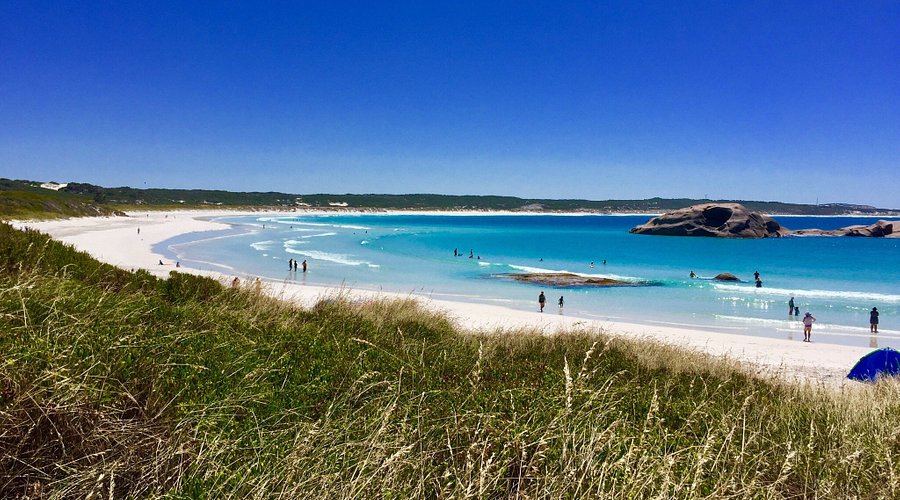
(805, 294)
(263, 245)
(336, 258)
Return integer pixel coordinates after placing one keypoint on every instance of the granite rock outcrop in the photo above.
(733, 220)
(881, 229)
(721, 220)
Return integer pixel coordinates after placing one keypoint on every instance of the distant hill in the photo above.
(28, 200)
(124, 197)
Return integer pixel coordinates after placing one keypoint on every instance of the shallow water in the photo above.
(838, 280)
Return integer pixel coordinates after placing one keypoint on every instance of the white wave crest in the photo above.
(534, 270)
(337, 258)
(294, 222)
(806, 294)
(318, 235)
(262, 245)
(322, 224)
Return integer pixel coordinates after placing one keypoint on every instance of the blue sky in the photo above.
(793, 101)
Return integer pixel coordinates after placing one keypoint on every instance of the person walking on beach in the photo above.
(561, 301)
(873, 320)
(791, 307)
(808, 321)
(542, 300)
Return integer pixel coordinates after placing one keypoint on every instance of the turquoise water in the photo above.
(838, 280)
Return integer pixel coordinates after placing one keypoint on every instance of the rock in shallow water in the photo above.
(562, 280)
(881, 229)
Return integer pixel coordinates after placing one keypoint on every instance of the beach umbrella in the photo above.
(883, 362)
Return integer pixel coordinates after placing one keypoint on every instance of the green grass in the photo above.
(24, 200)
(119, 384)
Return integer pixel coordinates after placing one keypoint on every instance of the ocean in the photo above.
(838, 280)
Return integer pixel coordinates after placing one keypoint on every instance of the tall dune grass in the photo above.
(117, 384)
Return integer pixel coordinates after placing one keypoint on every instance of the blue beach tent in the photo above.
(882, 362)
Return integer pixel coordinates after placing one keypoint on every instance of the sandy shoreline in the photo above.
(116, 240)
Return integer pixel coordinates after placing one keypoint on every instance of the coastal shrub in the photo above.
(129, 386)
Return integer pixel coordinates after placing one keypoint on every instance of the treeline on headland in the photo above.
(118, 384)
(124, 198)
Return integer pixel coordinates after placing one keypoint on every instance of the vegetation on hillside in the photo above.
(125, 197)
(119, 384)
(25, 200)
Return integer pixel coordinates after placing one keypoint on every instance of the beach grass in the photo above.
(118, 384)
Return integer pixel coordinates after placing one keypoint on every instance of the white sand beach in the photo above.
(116, 240)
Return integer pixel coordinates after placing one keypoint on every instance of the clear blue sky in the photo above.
(779, 100)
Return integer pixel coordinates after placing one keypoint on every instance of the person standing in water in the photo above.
(304, 265)
(561, 301)
(791, 307)
(542, 300)
(808, 321)
(873, 320)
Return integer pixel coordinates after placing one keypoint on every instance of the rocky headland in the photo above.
(733, 220)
